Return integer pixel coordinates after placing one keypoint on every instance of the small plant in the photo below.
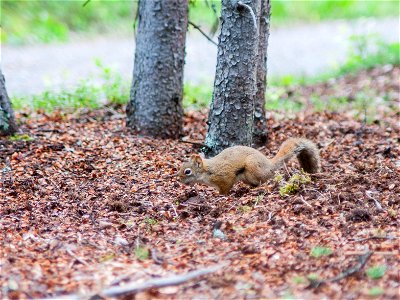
(141, 253)
(107, 257)
(317, 252)
(376, 272)
(375, 291)
(258, 199)
(244, 208)
(151, 221)
(294, 184)
(299, 280)
(278, 178)
(20, 137)
(196, 96)
(313, 277)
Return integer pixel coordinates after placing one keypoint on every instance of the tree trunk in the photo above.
(8, 126)
(231, 114)
(155, 106)
(260, 132)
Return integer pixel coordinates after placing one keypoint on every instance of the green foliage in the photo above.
(376, 272)
(142, 253)
(375, 291)
(299, 280)
(313, 277)
(49, 21)
(115, 88)
(244, 208)
(258, 199)
(107, 257)
(294, 184)
(20, 137)
(364, 104)
(151, 221)
(86, 94)
(196, 96)
(381, 53)
(359, 59)
(317, 252)
(284, 12)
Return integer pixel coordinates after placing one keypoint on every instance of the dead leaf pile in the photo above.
(86, 205)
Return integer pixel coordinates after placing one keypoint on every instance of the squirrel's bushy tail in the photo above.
(306, 151)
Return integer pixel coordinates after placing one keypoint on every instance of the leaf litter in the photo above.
(86, 206)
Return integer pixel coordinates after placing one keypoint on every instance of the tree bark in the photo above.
(260, 133)
(231, 114)
(155, 106)
(8, 125)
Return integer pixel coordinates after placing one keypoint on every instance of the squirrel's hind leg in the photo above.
(254, 172)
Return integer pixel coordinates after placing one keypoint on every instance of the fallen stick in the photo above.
(134, 287)
(362, 260)
(377, 203)
(374, 237)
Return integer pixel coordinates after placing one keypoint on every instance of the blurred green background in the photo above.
(46, 21)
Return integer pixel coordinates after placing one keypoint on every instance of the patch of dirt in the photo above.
(80, 198)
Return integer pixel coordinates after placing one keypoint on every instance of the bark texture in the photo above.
(8, 126)
(231, 114)
(155, 106)
(260, 133)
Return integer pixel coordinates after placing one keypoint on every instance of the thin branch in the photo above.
(374, 237)
(193, 143)
(202, 32)
(362, 260)
(305, 202)
(377, 203)
(248, 7)
(86, 3)
(134, 287)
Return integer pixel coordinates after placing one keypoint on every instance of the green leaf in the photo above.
(142, 253)
(376, 272)
(313, 277)
(320, 251)
(375, 291)
(299, 280)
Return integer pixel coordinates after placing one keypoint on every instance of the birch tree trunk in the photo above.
(155, 106)
(231, 116)
(8, 126)
(260, 132)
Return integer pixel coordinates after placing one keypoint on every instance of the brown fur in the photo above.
(241, 163)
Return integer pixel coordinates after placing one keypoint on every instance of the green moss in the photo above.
(142, 253)
(20, 137)
(294, 183)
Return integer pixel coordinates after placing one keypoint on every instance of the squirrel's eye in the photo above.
(188, 172)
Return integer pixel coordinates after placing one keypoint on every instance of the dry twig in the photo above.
(134, 287)
(202, 32)
(362, 260)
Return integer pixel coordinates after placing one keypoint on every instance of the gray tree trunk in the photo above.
(260, 133)
(8, 126)
(231, 116)
(155, 106)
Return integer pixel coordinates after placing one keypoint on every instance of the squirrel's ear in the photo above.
(196, 160)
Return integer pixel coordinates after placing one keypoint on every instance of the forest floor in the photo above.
(87, 205)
